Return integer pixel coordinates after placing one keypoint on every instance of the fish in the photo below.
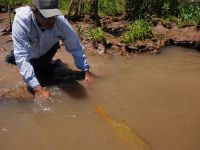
(124, 131)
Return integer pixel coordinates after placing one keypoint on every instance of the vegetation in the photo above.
(138, 30)
(138, 8)
(181, 12)
(80, 31)
(183, 9)
(189, 14)
(111, 7)
(96, 35)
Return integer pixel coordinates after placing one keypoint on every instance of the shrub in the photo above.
(79, 30)
(97, 36)
(189, 14)
(111, 7)
(138, 30)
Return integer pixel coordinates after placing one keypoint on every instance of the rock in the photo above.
(197, 46)
(101, 49)
(131, 49)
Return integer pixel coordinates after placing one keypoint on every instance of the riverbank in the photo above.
(164, 35)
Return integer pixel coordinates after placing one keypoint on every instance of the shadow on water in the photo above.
(66, 79)
(60, 76)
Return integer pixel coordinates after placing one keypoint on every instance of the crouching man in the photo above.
(36, 32)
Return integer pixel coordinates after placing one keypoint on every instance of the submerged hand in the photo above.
(89, 78)
(41, 93)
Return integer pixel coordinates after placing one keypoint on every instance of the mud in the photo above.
(188, 36)
(166, 34)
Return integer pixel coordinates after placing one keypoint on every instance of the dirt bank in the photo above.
(114, 27)
(165, 35)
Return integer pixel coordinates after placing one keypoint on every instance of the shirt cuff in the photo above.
(86, 68)
(33, 82)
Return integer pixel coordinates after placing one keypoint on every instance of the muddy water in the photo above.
(157, 96)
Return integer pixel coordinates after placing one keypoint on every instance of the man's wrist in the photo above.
(37, 88)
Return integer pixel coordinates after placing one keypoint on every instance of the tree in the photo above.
(94, 9)
(78, 8)
(138, 8)
(79, 5)
(173, 7)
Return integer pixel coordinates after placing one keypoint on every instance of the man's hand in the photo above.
(41, 93)
(89, 78)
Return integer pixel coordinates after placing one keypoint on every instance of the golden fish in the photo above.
(124, 131)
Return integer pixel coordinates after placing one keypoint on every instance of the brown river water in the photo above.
(157, 96)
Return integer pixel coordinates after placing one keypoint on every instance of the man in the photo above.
(36, 32)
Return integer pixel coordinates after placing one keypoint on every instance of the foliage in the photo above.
(6, 2)
(182, 12)
(170, 8)
(63, 5)
(190, 14)
(79, 30)
(96, 35)
(107, 7)
(138, 30)
(137, 8)
(111, 7)
(187, 13)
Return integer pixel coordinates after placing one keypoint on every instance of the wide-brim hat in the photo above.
(48, 8)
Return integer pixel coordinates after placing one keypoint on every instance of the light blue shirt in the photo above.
(30, 42)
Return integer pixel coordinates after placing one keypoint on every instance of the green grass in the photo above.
(108, 7)
(96, 35)
(79, 30)
(63, 5)
(138, 30)
(188, 14)
(111, 7)
(13, 2)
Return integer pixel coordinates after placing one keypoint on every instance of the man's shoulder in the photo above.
(24, 12)
(23, 17)
(62, 21)
(61, 18)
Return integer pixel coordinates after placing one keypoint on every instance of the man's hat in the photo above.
(48, 8)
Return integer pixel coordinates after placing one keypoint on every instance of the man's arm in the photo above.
(73, 45)
(22, 51)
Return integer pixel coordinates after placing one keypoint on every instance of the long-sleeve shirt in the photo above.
(30, 42)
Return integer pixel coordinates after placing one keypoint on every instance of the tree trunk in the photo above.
(78, 8)
(70, 8)
(94, 9)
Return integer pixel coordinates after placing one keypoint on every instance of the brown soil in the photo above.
(5, 35)
(166, 35)
(114, 27)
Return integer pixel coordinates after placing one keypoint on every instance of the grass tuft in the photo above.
(96, 35)
(138, 30)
